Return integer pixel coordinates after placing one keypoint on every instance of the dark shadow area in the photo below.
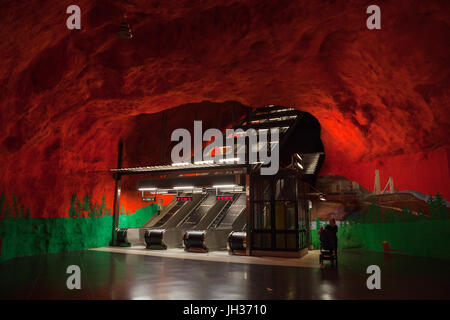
(126, 276)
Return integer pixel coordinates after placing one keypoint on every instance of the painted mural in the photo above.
(87, 225)
(387, 220)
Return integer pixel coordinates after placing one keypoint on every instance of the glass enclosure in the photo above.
(279, 213)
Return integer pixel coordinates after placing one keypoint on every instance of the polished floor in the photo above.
(310, 260)
(108, 275)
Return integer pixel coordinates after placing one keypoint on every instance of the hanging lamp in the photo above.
(125, 30)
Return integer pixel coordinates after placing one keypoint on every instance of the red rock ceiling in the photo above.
(381, 96)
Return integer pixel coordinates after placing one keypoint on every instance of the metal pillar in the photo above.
(249, 211)
(117, 190)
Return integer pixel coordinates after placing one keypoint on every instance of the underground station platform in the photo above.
(227, 232)
(224, 153)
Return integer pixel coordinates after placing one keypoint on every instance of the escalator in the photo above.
(213, 236)
(229, 220)
(170, 234)
(169, 217)
(194, 218)
(222, 214)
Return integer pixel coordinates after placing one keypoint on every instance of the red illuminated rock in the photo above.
(66, 97)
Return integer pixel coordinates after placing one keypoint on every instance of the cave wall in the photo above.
(67, 97)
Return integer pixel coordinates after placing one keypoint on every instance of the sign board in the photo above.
(184, 198)
(224, 197)
(149, 199)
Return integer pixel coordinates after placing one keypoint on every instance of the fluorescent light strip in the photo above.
(229, 160)
(219, 186)
(235, 189)
(204, 162)
(183, 188)
(180, 164)
(147, 189)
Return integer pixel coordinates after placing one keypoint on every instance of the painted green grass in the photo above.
(425, 234)
(426, 238)
(22, 235)
(139, 218)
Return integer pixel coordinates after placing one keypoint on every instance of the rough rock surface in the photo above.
(66, 97)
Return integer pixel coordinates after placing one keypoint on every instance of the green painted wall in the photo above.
(426, 238)
(140, 217)
(425, 234)
(21, 235)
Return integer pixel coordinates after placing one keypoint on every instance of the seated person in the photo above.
(329, 234)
